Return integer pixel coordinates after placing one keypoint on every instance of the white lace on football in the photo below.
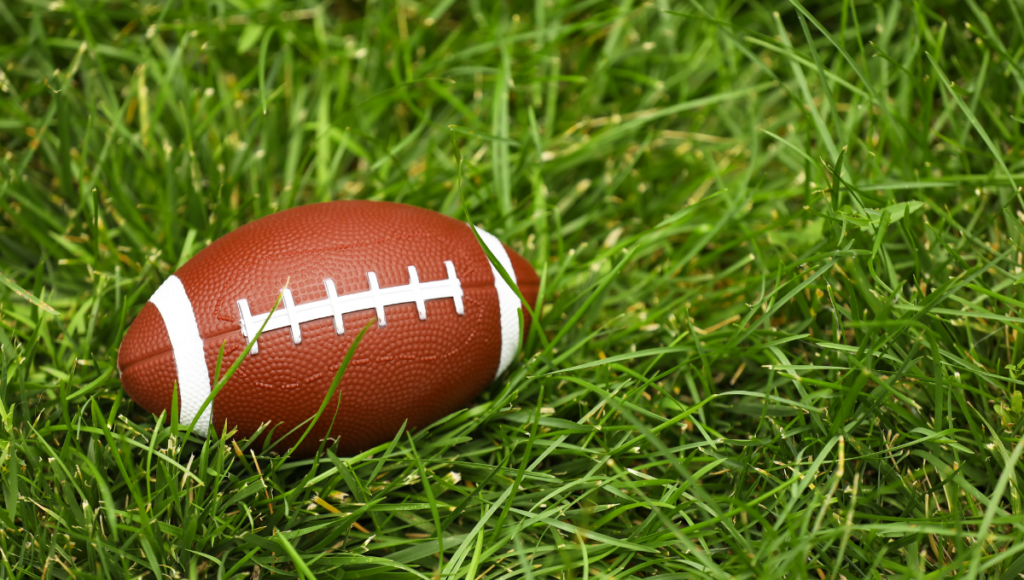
(290, 315)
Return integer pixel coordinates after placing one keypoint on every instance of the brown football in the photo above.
(447, 324)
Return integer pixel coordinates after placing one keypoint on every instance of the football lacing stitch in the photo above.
(356, 362)
(290, 315)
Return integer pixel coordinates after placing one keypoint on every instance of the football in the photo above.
(441, 322)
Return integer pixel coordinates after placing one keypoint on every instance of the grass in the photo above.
(781, 247)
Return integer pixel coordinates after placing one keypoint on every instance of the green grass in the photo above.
(780, 247)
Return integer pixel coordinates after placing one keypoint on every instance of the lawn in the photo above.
(780, 247)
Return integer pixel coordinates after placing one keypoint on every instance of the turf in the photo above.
(780, 244)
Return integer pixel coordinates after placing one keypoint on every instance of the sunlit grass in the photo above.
(780, 248)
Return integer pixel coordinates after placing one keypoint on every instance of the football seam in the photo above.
(380, 359)
(122, 370)
(469, 270)
(169, 351)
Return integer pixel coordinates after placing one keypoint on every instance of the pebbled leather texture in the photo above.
(411, 370)
(146, 361)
